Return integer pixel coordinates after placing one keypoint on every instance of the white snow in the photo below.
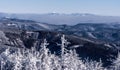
(91, 35)
(108, 45)
(11, 24)
(44, 25)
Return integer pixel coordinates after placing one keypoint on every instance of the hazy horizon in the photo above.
(101, 7)
(10, 13)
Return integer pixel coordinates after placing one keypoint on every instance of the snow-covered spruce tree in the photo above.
(29, 60)
(4, 58)
(38, 60)
(70, 59)
(73, 62)
(17, 60)
(63, 53)
(94, 65)
(55, 63)
(26, 59)
(2, 61)
(48, 61)
(116, 63)
(45, 57)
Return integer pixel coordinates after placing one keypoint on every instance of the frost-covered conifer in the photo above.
(69, 59)
(30, 59)
(116, 63)
(45, 56)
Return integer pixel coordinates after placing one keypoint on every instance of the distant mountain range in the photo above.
(69, 19)
(89, 39)
(100, 31)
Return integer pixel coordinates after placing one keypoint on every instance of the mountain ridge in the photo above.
(69, 19)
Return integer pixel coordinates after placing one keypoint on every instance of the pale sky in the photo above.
(100, 7)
